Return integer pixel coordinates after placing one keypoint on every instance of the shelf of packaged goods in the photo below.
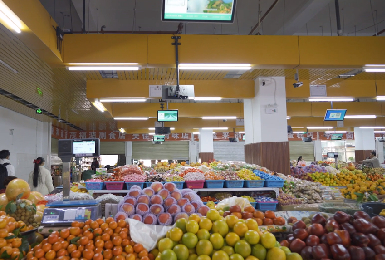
(276, 190)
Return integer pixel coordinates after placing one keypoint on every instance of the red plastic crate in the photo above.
(114, 185)
(195, 184)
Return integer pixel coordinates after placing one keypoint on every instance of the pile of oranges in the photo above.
(91, 240)
(8, 241)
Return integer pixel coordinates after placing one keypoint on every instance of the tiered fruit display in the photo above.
(216, 238)
(96, 240)
(343, 178)
(248, 175)
(340, 237)
(267, 218)
(364, 191)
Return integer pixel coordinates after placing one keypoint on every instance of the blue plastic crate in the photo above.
(274, 184)
(214, 184)
(254, 204)
(216, 202)
(130, 184)
(263, 206)
(254, 184)
(94, 185)
(234, 184)
(179, 184)
(148, 184)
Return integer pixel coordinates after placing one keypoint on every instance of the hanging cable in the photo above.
(134, 18)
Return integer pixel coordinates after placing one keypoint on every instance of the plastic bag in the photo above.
(147, 235)
(233, 201)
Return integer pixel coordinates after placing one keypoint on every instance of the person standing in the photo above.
(40, 178)
(95, 164)
(6, 169)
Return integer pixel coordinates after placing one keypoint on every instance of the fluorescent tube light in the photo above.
(319, 127)
(335, 132)
(336, 99)
(297, 127)
(219, 117)
(374, 65)
(131, 118)
(215, 66)
(198, 133)
(153, 128)
(374, 70)
(151, 133)
(378, 132)
(361, 116)
(104, 68)
(288, 117)
(9, 17)
(102, 64)
(298, 132)
(215, 128)
(207, 98)
(123, 100)
(373, 127)
(380, 97)
(241, 132)
(99, 106)
(122, 130)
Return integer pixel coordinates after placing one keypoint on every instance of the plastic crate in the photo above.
(130, 184)
(274, 184)
(254, 204)
(114, 185)
(234, 184)
(148, 184)
(94, 185)
(267, 205)
(254, 184)
(215, 202)
(214, 184)
(179, 184)
(195, 184)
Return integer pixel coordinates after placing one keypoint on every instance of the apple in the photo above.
(318, 219)
(324, 239)
(284, 243)
(301, 234)
(333, 239)
(362, 215)
(307, 253)
(317, 229)
(291, 220)
(364, 226)
(359, 239)
(356, 252)
(339, 252)
(345, 237)
(299, 225)
(321, 251)
(348, 227)
(381, 234)
(341, 217)
(297, 245)
(369, 253)
(312, 240)
(331, 225)
(247, 215)
(379, 257)
(235, 208)
(379, 249)
(379, 221)
(373, 241)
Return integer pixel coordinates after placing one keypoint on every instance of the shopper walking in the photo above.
(40, 178)
(95, 164)
(6, 169)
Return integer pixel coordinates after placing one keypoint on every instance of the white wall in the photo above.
(30, 139)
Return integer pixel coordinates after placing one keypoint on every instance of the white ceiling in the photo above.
(299, 17)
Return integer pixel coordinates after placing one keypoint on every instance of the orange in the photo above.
(75, 231)
(106, 237)
(100, 221)
(75, 224)
(43, 258)
(83, 241)
(30, 255)
(109, 219)
(64, 244)
(109, 231)
(269, 214)
(76, 254)
(94, 225)
(80, 248)
(3, 242)
(117, 230)
(97, 256)
(7, 249)
(39, 253)
(107, 254)
(98, 232)
(62, 252)
(81, 224)
(119, 257)
(128, 249)
(122, 223)
(63, 257)
(98, 250)
(72, 248)
(143, 253)
(144, 258)
(57, 246)
(123, 235)
(125, 242)
(138, 248)
(70, 237)
(88, 254)
(50, 255)
(268, 221)
(3, 233)
(117, 250)
(90, 247)
(99, 243)
(64, 233)
(47, 247)
(259, 214)
(113, 225)
(86, 227)
(117, 241)
(108, 244)
(16, 243)
(104, 226)
(130, 257)
(88, 221)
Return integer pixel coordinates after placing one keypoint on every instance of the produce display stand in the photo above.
(247, 190)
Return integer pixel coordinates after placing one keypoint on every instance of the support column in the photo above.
(206, 145)
(128, 153)
(380, 151)
(266, 126)
(317, 150)
(192, 151)
(364, 141)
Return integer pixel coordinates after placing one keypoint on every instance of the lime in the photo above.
(168, 255)
(203, 234)
(228, 249)
(243, 248)
(252, 237)
(221, 227)
(212, 214)
(204, 257)
(181, 223)
(275, 254)
(236, 257)
(192, 257)
(181, 252)
(268, 240)
(204, 247)
(165, 244)
(220, 255)
(192, 226)
(190, 240)
(259, 252)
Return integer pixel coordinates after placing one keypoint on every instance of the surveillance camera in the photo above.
(298, 84)
(224, 120)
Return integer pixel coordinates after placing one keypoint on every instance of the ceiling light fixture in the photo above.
(104, 68)
(215, 66)
(331, 99)
(123, 100)
(241, 132)
(378, 132)
(153, 128)
(361, 116)
(380, 98)
(335, 132)
(372, 127)
(99, 106)
(122, 130)
(207, 98)
(319, 127)
(288, 117)
(131, 118)
(299, 132)
(218, 117)
(9, 17)
(215, 128)
(297, 127)
(151, 133)
(374, 68)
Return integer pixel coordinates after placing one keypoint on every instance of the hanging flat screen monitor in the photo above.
(207, 11)
(167, 115)
(335, 115)
(86, 148)
(331, 154)
(158, 138)
(337, 136)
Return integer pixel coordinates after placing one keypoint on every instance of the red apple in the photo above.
(318, 219)
(317, 229)
(333, 239)
(356, 253)
(339, 252)
(247, 215)
(369, 253)
(235, 208)
(379, 257)
(299, 225)
(301, 234)
(341, 217)
(297, 245)
(348, 227)
(291, 220)
(307, 253)
(312, 240)
(284, 243)
(324, 239)
(363, 226)
(379, 221)
(359, 239)
(321, 251)
(345, 237)
(379, 249)
(381, 234)
(373, 241)
(331, 225)
(362, 215)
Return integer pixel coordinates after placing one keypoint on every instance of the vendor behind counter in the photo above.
(86, 175)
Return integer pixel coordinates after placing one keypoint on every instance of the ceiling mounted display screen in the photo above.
(209, 11)
(167, 115)
(335, 115)
(337, 137)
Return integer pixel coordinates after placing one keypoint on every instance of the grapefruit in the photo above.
(236, 257)
(231, 220)
(268, 240)
(252, 224)
(35, 197)
(228, 249)
(217, 241)
(165, 244)
(259, 252)
(17, 187)
(252, 237)
(168, 255)
(240, 229)
(275, 254)
(212, 214)
(232, 238)
(181, 223)
(192, 226)
(204, 247)
(203, 234)
(176, 234)
(220, 255)
(181, 252)
(206, 224)
(243, 248)
(3, 201)
(190, 240)
(221, 227)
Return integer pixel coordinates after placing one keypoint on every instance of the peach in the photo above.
(130, 200)
(142, 209)
(164, 219)
(120, 215)
(156, 209)
(197, 204)
(164, 193)
(188, 208)
(182, 202)
(181, 215)
(191, 196)
(149, 192)
(203, 210)
(134, 193)
(149, 219)
(173, 210)
(129, 209)
(169, 201)
(176, 195)
(144, 199)
(137, 217)
(156, 199)
(170, 186)
(156, 186)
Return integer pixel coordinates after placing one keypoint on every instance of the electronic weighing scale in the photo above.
(63, 213)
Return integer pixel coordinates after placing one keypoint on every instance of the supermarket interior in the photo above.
(192, 130)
